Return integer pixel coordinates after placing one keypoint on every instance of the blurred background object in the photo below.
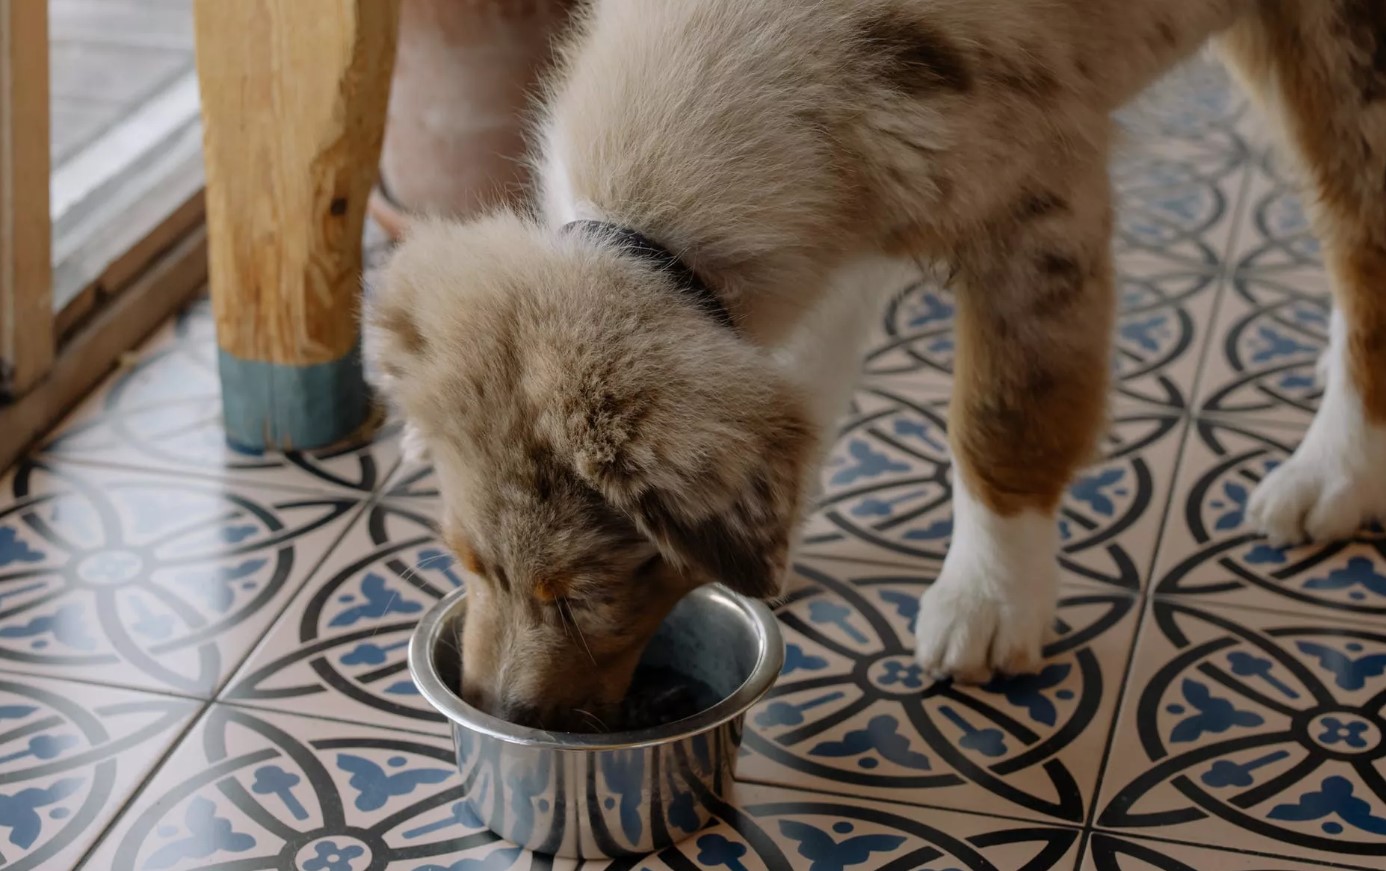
(465, 75)
(168, 128)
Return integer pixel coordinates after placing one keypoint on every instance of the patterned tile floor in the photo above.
(202, 652)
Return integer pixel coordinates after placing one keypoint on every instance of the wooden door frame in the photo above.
(27, 334)
(50, 360)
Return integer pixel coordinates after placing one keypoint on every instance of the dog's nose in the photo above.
(521, 714)
(552, 718)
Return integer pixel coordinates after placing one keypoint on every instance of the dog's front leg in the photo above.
(1035, 304)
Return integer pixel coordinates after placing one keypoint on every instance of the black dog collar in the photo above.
(662, 259)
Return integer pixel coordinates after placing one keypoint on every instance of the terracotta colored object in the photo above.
(465, 73)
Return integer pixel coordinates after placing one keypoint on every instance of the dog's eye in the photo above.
(567, 608)
(551, 590)
(459, 545)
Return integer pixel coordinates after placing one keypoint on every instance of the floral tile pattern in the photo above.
(70, 756)
(1194, 104)
(278, 791)
(1259, 728)
(341, 646)
(887, 495)
(155, 581)
(853, 711)
(202, 652)
(1209, 553)
(1273, 322)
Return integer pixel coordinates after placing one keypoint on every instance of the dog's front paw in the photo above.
(1336, 481)
(1324, 492)
(973, 624)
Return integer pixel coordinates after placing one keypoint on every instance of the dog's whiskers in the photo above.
(422, 564)
(408, 573)
(567, 617)
(592, 719)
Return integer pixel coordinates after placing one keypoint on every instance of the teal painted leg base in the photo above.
(273, 406)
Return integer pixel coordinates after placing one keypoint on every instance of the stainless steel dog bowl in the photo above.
(620, 793)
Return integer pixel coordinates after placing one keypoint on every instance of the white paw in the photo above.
(968, 632)
(1317, 495)
(992, 608)
(1336, 481)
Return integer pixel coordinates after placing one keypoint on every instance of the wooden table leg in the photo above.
(294, 97)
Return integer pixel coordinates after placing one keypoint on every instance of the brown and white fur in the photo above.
(602, 445)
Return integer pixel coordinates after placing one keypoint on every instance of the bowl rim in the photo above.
(444, 700)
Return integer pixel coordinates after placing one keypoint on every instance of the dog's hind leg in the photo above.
(1035, 305)
(1319, 67)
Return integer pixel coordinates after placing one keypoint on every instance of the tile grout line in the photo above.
(241, 477)
(1336, 621)
(265, 708)
(820, 790)
(1317, 861)
(361, 510)
(143, 784)
(12, 673)
(1146, 592)
(206, 704)
(1084, 844)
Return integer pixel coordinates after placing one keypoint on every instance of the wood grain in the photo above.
(102, 341)
(26, 270)
(293, 104)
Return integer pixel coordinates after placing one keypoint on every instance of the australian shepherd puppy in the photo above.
(627, 392)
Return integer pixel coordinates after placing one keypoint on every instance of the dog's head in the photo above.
(601, 447)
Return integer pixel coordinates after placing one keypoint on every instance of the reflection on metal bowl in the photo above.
(619, 793)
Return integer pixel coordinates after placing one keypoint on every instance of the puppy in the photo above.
(628, 392)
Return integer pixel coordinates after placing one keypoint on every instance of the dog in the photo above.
(628, 390)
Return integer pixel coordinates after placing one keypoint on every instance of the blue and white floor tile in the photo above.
(1252, 728)
(1273, 322)
(853, 712)
(1176, 204)
(1196, 103)
(772, 828)
(71, 755)
(256, 790)
(1208, 552)
(250, 789)
(340, 647)
(145, 579)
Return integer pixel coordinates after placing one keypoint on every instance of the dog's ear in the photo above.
(745, 545)
(712, 474)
